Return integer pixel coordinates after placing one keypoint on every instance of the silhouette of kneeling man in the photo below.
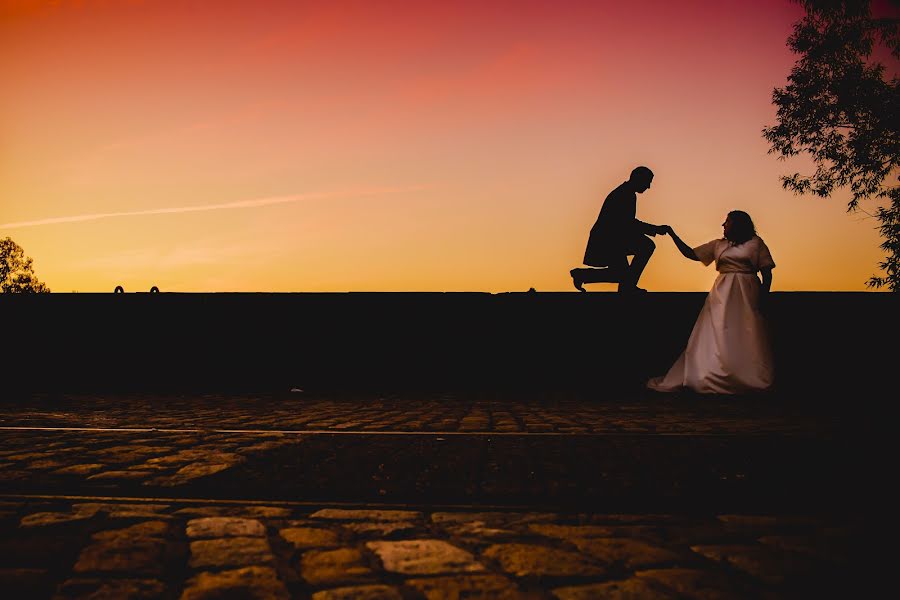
(616, 235)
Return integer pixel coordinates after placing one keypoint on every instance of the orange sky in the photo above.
(407, 146)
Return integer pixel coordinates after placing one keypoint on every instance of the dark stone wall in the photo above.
(832, 342)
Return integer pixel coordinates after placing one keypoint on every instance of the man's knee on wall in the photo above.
(617, 271)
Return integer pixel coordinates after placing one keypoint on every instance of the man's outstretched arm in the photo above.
(649, 228)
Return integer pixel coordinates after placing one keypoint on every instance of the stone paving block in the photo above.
(82, 469)
(248, 583)
(631, 519)
(217, 527)
(381, 529)
(155, 469)
(765, 563)
(119, 459)
(470, 587)
(208, 511)
(424, 557)
(45, 464)
(129, 555)
(494, 517)
(648, 533)
(527, 560)
(194, 455)
(632, 554)
(147, 529)
(360, 592)
(693, 583)
(238, 510)
(539, 427)
(121, 511)
(310, 523)
(125, 475)
(628, 589)
(478, 531)
(470, 424)
(334, 567)
(136, 449)
(262, 447)
(230, 552)
(189, 473)
(570, 532)
(110, 589)
(44, 519)
(26, 456)
(525, 518)
(342, 514)
(268, 512)
(303, 538)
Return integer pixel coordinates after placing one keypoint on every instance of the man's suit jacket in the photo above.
(612, 236)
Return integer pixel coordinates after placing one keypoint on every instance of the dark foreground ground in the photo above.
(824, 343)
(467, 495)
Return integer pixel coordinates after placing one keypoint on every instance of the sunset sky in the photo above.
(264, 145)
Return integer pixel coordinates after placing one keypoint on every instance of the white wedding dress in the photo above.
(729, 351)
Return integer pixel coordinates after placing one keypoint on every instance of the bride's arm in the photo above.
(686, 250)
(766, 279)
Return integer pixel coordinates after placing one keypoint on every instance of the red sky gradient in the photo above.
(330, 146)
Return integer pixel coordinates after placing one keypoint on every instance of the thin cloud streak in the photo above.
(256, 202)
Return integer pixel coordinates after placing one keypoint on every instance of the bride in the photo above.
(728, 351)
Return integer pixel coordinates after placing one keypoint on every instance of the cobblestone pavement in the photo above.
(302, 495)
(164, 548)
(569, 413)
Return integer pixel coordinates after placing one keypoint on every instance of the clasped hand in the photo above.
(663, 230)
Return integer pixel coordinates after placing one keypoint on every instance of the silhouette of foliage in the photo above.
(16, 271)
(840, 107)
